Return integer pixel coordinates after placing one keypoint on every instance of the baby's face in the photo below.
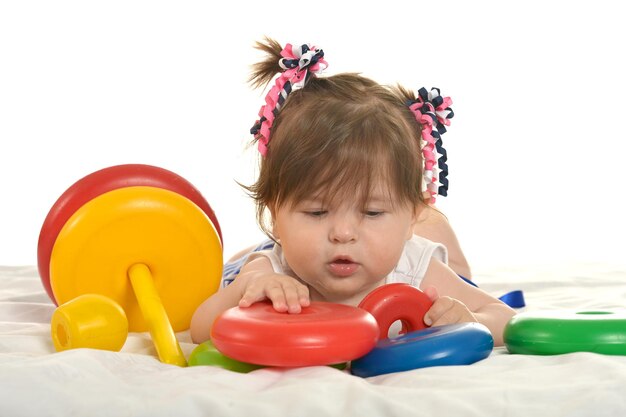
(340, 249)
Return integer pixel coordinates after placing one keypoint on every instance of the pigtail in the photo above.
(297, 64)
(263, 72)
(404, 94)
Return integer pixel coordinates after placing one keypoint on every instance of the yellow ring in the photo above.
(149, 225)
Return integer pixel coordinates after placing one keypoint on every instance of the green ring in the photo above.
(555, 333)
(206, 354)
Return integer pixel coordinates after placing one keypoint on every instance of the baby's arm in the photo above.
(455, 301)
(257, 281)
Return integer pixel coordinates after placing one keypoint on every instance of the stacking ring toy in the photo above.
(89, 321)
(455, 344)
(392, 302)
(451, 344)
(152, 250)
(554, 333)
(321, 334)
(100, 182)
(205, 354)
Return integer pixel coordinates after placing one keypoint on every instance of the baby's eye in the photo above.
(373, 213)
(316, 213)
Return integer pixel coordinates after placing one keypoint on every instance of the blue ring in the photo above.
(452, 344)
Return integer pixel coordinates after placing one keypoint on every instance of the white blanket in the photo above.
(37, 381)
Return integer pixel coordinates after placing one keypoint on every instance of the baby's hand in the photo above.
(446, 310)
(286, 293)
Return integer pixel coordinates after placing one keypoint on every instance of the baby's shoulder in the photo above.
(420, 248)
(415, 259)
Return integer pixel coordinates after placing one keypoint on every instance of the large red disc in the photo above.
(321, 334)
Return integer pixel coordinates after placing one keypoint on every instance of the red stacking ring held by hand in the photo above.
(392, 302)
(321, 334)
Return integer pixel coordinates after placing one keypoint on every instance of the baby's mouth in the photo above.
(342, 267)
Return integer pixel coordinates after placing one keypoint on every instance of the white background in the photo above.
(535, 149)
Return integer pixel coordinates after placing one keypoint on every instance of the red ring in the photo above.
(392, 302)
(321, 334)
(98, 183)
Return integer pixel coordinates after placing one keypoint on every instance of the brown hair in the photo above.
(337, 135)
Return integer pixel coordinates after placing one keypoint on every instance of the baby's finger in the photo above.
(303, 295)
(252, 295)
(292, 299)
(451, 316)
(276, 294)
(437, 310)
(259, 291)
(296, 296)
(455, 312)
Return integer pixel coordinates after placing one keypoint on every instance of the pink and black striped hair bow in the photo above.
(433, 113)
(299, 64)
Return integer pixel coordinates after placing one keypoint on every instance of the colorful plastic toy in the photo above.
(321, 334)
(452, 344)
(100, 182)
(397, 302)
(89, 321)
(419, 347)
(559, 332)
(153, 251)
(206, 354)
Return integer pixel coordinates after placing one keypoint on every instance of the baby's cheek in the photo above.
(304, 263)
(384, 261)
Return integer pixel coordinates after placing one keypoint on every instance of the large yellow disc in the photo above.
(149, 225)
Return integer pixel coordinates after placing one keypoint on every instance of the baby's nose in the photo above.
(344, 230)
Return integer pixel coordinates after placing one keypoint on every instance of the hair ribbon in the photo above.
(299, 64)
(432, 111)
